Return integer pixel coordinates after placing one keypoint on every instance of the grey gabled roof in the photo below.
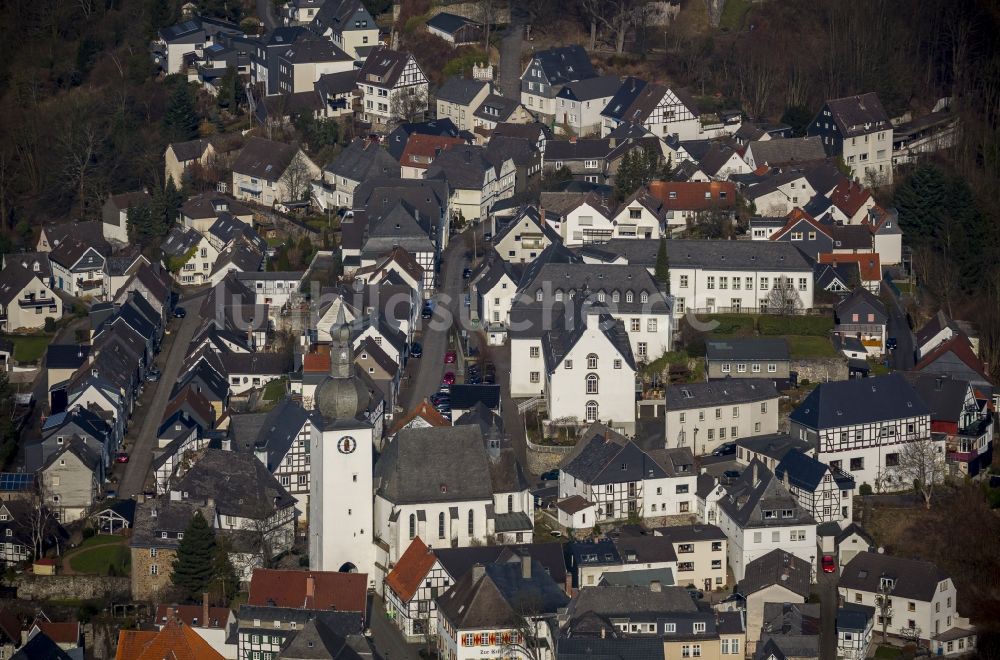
(589, 89)
(757, 491)
(240, 485)
(777, 567)
(730, 391)
(859, 114)
(609, 648)
(787, 150)
(914, 578)
(773, 445)
(275, 431)
(190, 150)
(739, 348)
(264, 159)
(859, 401)
(618, 601)
(558, 342)
(803, 471)
(449, 23)
(714, 254)
(430, 465)
(565, 64)
(600, 461)
(461, 91)
(363, 159)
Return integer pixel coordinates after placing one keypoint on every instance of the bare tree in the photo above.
(408, 105)
(783, 298)
(297, 178)
(616, 15)
(525, 626)
(78, 143)
(40, 524)
(921, 462)
(883, 603)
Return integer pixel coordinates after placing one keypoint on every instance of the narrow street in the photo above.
(265, 12)
(170, 361)
(388, 640)
(829, 601)
(903, 358)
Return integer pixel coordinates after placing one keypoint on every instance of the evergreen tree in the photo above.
(180, 119)
(140, 224)
(161, 14)
(228, 85)
(663, 265)
(195, 566)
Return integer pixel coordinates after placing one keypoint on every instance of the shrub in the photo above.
(304, 561)
(865, 489)
(88, 532)
(50, 324)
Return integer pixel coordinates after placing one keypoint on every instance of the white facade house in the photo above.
(388, 81)
(25, 300)
(641, 216)
(349, 25)
(661, 110)
(589, 221)
(916, 598)
(548, 72)
(858, 129)
(579, 104)
(703, 416)
(701, 554)
(759, 515)
(861, 426)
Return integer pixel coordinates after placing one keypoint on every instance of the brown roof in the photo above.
(869, 265)
(853, 113)
(175, 641)
(130, 199)
(316, 363)
(421, 150)
(424, 410)
(849, 197)
(573, 504)
(960, 347)
(61, 633)
(194, 615)
(199, 403)
(411, 568)
(694, 195)
(265, 159)
(313, 590)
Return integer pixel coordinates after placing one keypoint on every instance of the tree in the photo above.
(638, 168)
(555, 179)
(921, 462)
(141, 229)
(663, 265)
(883, 603)
(798, 117)
(618, 16)
(296, 178)
(195, 566)
(408, 105)
(41, 524)
(180, 119)
(782, 298)
(229, 86)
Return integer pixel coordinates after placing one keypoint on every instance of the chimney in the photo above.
(525, 567)
(755, 480)
(572, 139)
(204, 609)
(612, 142)
(784, 480)
(478, 572)
(170, 614)
(655, 586)
(602, 632)
(568, 584)
(310, 586)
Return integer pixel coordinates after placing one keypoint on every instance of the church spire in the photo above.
(341, 354)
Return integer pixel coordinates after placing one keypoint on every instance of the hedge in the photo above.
(815, 326)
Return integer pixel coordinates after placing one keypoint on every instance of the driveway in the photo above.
(829, 602)
(151, 414)
(265, 12)
(423, 375)
(388, 640)
(903, 358)
(510, 59)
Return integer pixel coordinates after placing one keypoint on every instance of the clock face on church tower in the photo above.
(347, 445)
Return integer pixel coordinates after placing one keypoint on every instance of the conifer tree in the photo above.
(663, 265)
(195, 566)
(180, 119)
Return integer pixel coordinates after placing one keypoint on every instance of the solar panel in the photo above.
(13, 481)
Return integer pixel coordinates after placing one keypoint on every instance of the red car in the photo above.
(829, 565)
(449, 378)
(122, 457)
(450, 357)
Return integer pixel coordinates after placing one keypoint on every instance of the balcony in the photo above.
(31, 302)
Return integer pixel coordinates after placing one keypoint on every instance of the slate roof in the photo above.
(610, 648)
(747, 500)
(276, 430)
(42, 647)
(557, 342)
(240, 485)
(938, 322)
(803, 471)
(264, 159)
(437, 464)
(326, 638)
(730, 391)
(859, 401)
(590, 89)
(859, 114)
(383, 67)
(777, 567)
(309, 48)
(943, 359)
(462, 166)
(449, 23)
(564, 64)
(786, 151)
(361, 160)
(398, 138)
(773, 445)
(210, 204)
(645, 549)
(264, 364)
(592, 279)
(914, 578)
(13, 279)
(690, 533)
(598, 461)
(714, 254)
(756, 348)
(629, 601)
(461, 91)
(459, 561)
(190, 150)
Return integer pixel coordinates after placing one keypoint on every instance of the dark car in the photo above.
(487, 236)
(725, 450)
(731, 474)
(440, 397)
(490, 378)
(428, 310)
(179, 312)
(551, 475)
(122, 457)
(153, 375)
(473, 379)
(416, 350)
(467, 273)
(696, 594)
(891, 343)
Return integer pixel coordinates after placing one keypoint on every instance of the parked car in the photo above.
(449, 378)
(467, 273)
(731, 474)
(474, 379)
(111, 494)
(551, 475)
(122, 457)
(468, 300)
(440, 397)
(725, 449)
(179, 312)
(416, 350)
(153, 375)
(428, 310)
(829, 565)
(487, 236)
(891, 343)
(450, 357)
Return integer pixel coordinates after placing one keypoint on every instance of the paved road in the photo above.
(265, 12)
(388, 640)
(829, 601)
(425, 373)
(903, 358)
(510, 60)
(141, 449)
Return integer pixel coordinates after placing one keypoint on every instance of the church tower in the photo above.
(340, 502)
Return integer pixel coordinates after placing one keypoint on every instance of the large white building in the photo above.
(702, 416)
(758, 515)
(861, 426)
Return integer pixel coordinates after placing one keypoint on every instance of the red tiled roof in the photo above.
(869, 265)
(960, 347)
(194, 615)
(421, 150)
(176, 641)
(694, 195)
(405, 578)
(61, 633)
(424, 410)
(849, 197)
(314, 590)
(316, 363)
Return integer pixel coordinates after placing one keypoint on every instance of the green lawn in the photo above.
(275, 390)
(29, 348)
(886, 653)
(733, 13)
(810, 347)
(100, 539)
(102, 559)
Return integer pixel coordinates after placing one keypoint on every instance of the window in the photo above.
(569, 364)
(763, 407)
(154, 569)
(684, 281)
(892, 460)
(643, 297)
(857, 464)
(441, 525)
(736, 412)
(772, 368)
(681, 490)
(152, 552)
(618, 363)
(534, 377)
(641, 349)
(699, 626)
(591, 411)
(726, 367)
(651, 325)
(757, 537)
(472, 519)
(756, 427)
(635, 325)
(629, 296)
(764, 284)
(592, 383)
(413, 525)
(710, 282)
(592, 361)
(741, 368)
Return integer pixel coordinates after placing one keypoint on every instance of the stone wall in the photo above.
(820, 370)
(473, 11)
(542, 458)
(83, 587)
